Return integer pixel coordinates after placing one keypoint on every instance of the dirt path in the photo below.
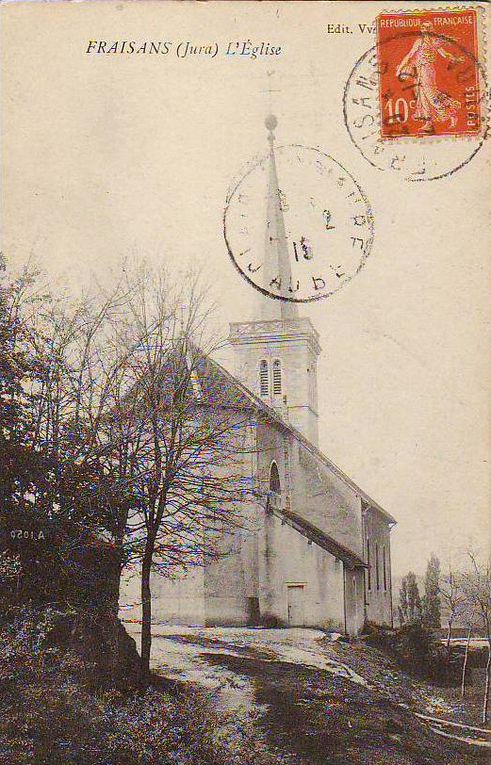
(308, 700)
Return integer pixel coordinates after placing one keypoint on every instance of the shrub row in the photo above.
(418, 651)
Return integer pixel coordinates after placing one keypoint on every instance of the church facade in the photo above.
(316, 552)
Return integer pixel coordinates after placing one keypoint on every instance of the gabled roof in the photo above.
(219, 385)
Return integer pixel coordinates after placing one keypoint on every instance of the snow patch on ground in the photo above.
(297, 646)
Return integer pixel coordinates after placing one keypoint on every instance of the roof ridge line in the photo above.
(300, 437)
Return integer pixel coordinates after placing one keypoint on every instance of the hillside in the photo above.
(323, 702)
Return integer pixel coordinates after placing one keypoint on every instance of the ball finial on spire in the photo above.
(271, 122)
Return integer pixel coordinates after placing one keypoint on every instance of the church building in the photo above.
(317, 552)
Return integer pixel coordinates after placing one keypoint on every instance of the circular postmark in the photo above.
(297, 225)
(413, 104)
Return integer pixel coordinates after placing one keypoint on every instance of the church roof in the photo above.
(314, 534)
(276, 259)
(222, 388)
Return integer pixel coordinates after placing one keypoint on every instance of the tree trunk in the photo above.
(146, 635)
(464, 665)
(449, 636)
(486, 687)
(110, 619)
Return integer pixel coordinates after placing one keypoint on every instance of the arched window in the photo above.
(274, 479)
(277, 377)
(263, 378)
(369, 564)
(384, 561)
(377, 567)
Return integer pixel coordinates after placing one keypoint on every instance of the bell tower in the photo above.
(276, 354)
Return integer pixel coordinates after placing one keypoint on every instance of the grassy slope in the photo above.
(302, 715)
(326, 720)
(383, 672)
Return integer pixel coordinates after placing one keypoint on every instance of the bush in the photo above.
(417, 650)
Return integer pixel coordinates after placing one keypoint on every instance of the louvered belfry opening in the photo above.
(277, 387)
(264, 378)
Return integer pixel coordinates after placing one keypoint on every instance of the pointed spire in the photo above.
(276, 258)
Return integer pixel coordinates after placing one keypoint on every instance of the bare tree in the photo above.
(146, 440)
(476, 586)
(453, 598)
(456, 606)
(77, 482)
(189, 432)
(465, 660)
(71, 399)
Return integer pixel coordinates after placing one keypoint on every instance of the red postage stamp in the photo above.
(429, 73)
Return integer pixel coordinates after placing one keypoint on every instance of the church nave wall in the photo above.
(286, 562)
(324, 499)
(378, 579)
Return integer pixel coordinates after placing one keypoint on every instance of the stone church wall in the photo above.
(269, 573)
(299, 371)
(287, 561)
(179, 600)
(130, 596)
(324, 499)
(354, 590)
(378, 585)
(174, 601)
(310, 488)
(271, 446)
(231, 583)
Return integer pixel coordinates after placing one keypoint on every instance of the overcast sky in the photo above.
(109, 156)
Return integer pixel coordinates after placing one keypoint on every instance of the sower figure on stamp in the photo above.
(432, 104)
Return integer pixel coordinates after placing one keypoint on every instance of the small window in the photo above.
(377, 568)
(274, 479)
(264, 378)
(384, 562)
(277, 377)
(369, 563)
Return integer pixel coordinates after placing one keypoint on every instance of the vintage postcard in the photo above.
(245, 383)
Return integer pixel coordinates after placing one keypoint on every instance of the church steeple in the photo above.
(276, 353)
(276, 261)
